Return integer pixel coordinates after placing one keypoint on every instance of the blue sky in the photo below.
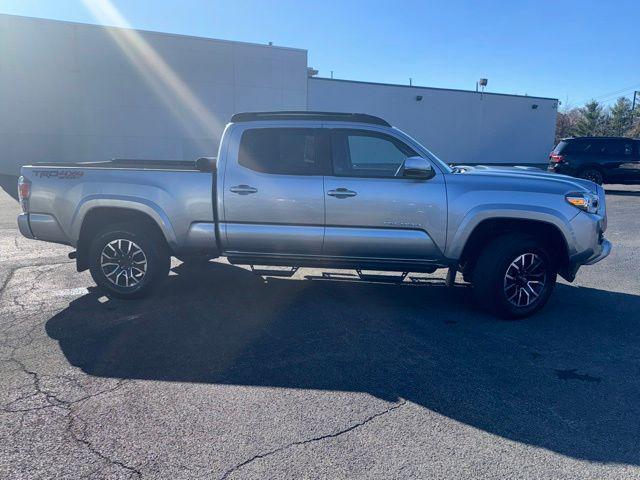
(573, 50)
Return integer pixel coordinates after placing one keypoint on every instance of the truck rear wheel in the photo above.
(127, 261)
(514, 276)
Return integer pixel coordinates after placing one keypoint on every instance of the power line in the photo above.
(614, 93)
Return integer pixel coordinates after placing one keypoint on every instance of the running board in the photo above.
(273, 272)
(370, 277)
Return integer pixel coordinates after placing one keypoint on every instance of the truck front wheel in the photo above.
(127, 261)
(514, 276)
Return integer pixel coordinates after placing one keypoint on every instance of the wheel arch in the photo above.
(488, 229)
(99, 216)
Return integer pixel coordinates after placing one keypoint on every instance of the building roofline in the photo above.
(154, 32)
(419, 87)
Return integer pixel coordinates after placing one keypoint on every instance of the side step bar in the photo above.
(274, 272)
(369, 277)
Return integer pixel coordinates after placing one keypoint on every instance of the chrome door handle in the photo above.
(243, 189)
(341, 193)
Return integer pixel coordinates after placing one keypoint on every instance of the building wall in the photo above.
(74, 92)
(458, 126)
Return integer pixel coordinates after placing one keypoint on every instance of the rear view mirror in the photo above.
(418, 167)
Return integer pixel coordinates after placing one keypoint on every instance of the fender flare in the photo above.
(477, 215)
(141, 205)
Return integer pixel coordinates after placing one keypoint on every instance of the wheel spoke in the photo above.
(112, 272)
(136, 269)
(532, 291)
(519, 296)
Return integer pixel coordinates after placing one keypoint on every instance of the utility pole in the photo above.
(636, 94)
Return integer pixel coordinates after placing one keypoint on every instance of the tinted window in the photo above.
(578, 146)
(616, 148)
(362, 153)
(284, 151)
(560, 147)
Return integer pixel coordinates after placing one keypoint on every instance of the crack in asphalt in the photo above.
(259, 456)
(51, 399)
(83, 440)
(54, 401)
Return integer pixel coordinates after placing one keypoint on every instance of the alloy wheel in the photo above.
(525, 280)
(123, 263)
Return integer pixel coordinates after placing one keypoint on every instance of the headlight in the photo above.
(587, 202)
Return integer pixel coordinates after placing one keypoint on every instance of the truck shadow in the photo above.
(566, 380)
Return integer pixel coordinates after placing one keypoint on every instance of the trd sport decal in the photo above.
(61, 174)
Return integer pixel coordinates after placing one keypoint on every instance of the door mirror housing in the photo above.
(418, 167)
(205, 164)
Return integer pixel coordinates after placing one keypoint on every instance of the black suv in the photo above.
(599, 159)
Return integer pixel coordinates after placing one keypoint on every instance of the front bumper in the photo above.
(589, 244)
(605, 250)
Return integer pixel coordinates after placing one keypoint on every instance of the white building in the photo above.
(74, 92)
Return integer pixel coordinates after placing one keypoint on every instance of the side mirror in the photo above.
(418, 167)
(205, 164)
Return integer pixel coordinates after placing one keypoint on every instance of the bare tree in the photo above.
(566, 121)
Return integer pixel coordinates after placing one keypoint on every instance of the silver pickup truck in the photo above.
(314, 189)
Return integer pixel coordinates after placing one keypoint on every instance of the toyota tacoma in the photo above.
(322, 190)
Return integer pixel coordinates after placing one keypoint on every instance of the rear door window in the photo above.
(282, 151)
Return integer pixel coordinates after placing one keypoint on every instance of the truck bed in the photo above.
(176, 195)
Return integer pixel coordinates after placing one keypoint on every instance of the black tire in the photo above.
(130, 283)
(592, 174)
(495, 291)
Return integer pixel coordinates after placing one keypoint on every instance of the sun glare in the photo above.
(164, 81)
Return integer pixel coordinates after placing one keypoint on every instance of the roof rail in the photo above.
(306, 115)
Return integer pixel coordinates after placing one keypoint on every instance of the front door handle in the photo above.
(243, 189)
(341, 193)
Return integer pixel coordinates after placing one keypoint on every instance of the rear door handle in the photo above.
(341, 193)
(243, 189)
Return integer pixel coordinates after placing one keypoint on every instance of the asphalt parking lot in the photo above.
(225, 374)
